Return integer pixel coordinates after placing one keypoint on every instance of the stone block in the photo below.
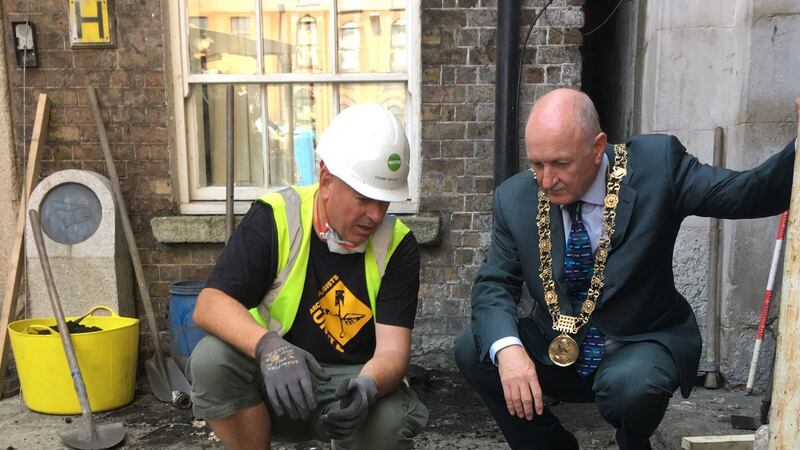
(700, 69)
(750, 257)
(444, 55)
(693, 14)
(445, 18)
(443, 130)
(690, 268)
(736, 352)
(444, 94)
(85, 244)
(211, 229)
(482, 18)
(773, 69)
(775, 8)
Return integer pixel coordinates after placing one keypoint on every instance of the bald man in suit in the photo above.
(590, 230)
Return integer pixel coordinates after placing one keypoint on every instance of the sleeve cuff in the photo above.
(501, 344)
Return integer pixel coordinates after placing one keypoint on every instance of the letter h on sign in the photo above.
(90, 23)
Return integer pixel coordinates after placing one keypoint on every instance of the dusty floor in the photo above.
(458, 421)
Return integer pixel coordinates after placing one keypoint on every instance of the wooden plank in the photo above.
(727, 442)
(785, 406)
(15, 258)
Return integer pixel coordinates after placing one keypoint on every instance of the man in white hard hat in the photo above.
(312, 302)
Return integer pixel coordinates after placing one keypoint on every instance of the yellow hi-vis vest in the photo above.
(293, 209)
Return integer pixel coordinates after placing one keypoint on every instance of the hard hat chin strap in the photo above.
(325, 232)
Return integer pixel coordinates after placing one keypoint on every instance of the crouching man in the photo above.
(312, 302)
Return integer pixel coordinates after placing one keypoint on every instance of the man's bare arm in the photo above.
(221, 315)
(392, 351)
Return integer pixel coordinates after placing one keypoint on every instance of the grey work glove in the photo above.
(287, 371)
(355, 396)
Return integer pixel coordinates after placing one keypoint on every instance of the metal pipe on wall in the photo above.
(712, 310)
(506, 156)
(229, 161)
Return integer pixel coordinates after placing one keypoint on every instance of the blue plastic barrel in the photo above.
(183, 333)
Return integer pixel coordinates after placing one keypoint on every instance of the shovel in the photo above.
(167, 381)
(94, 436)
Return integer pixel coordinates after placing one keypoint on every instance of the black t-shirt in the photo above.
(334, 321)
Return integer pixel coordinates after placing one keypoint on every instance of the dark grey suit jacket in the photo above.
(664, 184)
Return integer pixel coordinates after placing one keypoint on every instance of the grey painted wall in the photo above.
(734, 64)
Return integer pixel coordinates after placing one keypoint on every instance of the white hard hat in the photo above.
(365, 146)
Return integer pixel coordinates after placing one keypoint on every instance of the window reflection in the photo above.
(209, 103)
(398, 63)
(240, 26)
(221, 39)
(301, 111)
(294, 36)
(306, 59)
(278, 119)
(392, 96)
(349, 46)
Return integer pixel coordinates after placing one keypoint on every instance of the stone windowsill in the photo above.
(211, 229)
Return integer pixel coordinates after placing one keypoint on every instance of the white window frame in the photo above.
(210, 200)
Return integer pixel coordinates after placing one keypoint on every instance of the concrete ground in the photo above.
(459, 420)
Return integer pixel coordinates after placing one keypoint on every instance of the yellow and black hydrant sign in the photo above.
(90, 23)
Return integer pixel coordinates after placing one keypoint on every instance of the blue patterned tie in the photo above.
(578, 268)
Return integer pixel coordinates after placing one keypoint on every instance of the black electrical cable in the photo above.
(605, 21)
(528, 35)
(522, 53)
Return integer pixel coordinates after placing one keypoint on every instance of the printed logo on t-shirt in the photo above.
(339, 313)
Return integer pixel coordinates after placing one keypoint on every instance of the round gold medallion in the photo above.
(550, 297)
(611, 201)
(563, 350)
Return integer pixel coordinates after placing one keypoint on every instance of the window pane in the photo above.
(215, 46)
(302, 111)
(240, 26)
(398, 62)
(369, 42)
(207, 127)
(296, 36)
(306, 56)
(392, 96)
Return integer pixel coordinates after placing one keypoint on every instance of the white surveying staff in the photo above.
(762, 323)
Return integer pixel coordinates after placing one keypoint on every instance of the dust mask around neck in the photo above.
(335, 242)
(338, 245)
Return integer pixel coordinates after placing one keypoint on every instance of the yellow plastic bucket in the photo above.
(107, 360)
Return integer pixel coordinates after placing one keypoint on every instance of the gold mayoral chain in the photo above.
(564, 350)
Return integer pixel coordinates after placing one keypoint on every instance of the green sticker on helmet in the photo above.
(393, 162)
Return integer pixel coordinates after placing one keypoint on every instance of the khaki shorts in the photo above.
(225, 381)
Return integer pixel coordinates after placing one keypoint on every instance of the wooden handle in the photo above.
(14, 280)
(126, 225)
(63, 331)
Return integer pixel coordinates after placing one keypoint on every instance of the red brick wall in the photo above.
(130, 81)
(458, 76)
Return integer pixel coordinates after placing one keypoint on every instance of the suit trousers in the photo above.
(631, 387)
